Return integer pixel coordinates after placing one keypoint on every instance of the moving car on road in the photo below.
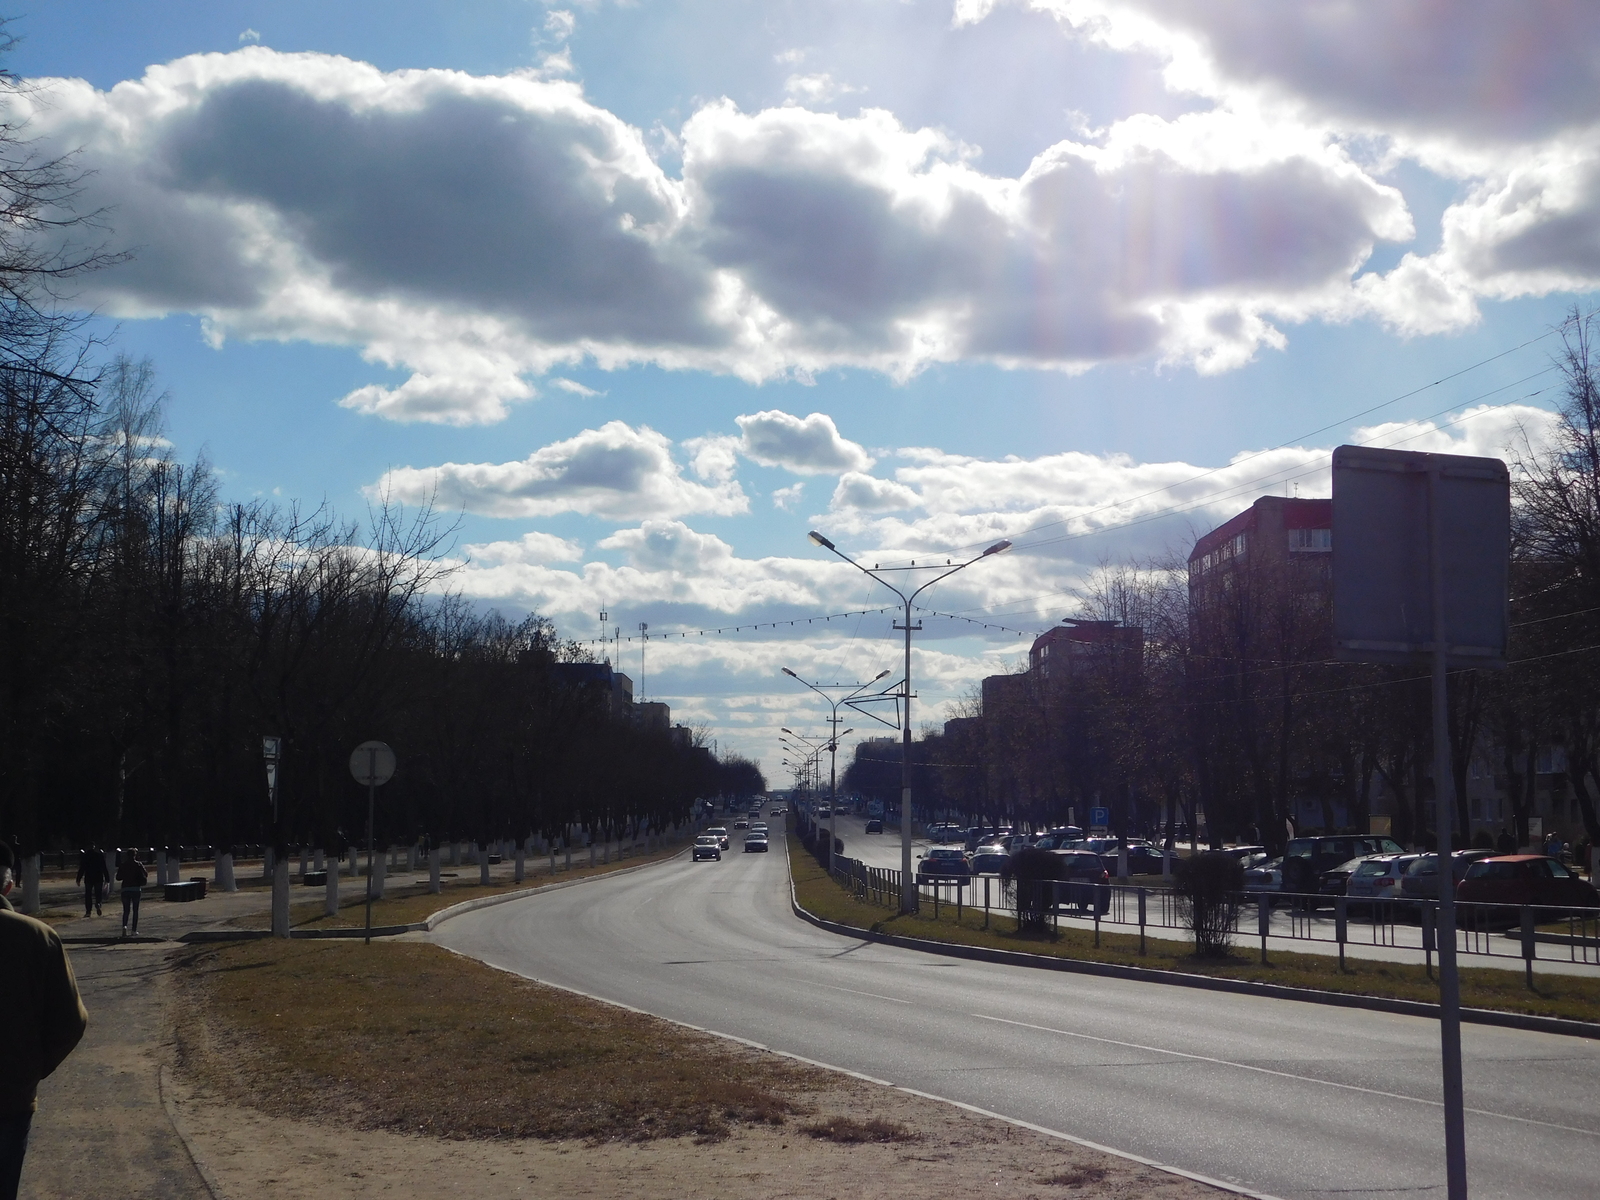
(720, 832)
(707, 848)
(875, 825)
(756, 842)
(944, 862)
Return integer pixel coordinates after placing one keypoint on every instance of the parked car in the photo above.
(1305, 859)
(1421, 880)
(989, 861)
(1525, 879)
(1378, 876)
(1264, 876)
(755, 842)
(1086, 879)
(943, 862)
(707, 848)
(720, 832)
(875, 825)
(1143, 860)
(945, 833)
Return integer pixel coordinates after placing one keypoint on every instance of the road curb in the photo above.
(466, 906)
(1274, 991)
(201, 1166)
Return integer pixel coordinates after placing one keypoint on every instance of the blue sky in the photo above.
(964, 270)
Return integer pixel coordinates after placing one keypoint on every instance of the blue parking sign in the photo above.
(1100, 818)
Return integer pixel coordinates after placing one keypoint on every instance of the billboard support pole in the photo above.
(1455, 1143)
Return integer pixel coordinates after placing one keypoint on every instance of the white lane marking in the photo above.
(858, 992)
(1224, 1062)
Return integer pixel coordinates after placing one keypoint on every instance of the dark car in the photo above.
(1085, 877)
(1305, 859)
(875, 825)
(989, 861)
(1525, 879)
(944, 862)
(707, 848)
(755, 842)
(1421, 880)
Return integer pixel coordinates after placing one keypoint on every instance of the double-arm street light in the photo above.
(821, 689)
(806, 749)
(908, 881)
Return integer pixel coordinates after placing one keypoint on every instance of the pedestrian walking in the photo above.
(44, 1020)
(132, 875)
(92, 874)
(1505, 843)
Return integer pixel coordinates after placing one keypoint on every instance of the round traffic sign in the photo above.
(372, 763)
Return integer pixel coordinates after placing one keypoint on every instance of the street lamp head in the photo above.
(820, 540)
(790, 673)
(879, 676)
(999, 547)
(790, 732)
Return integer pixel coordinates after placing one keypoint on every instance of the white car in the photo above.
(1378, 877)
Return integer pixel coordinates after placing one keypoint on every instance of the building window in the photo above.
(1312, 541)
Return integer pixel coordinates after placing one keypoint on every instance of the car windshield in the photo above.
(704, 839)
(1490, 869)
(944, 854)
(1368, 869)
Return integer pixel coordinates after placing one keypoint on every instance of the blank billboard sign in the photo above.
(1382, 597)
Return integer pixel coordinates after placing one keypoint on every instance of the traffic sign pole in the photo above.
(371, 763)
(372, 794)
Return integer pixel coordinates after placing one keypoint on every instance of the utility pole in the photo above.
(908, 881)
(821, 689)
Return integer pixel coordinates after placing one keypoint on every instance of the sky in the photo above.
(636, 294)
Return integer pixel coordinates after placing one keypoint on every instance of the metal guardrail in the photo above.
(1529, 932)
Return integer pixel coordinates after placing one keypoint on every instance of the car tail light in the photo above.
(1105, 876)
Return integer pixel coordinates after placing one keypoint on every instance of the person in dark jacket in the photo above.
(44, 1020)
(132, 876)
(92, 874)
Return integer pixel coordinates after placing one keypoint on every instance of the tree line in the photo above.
(152, 632)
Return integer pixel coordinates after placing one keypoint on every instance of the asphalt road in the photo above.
(1284, 1098)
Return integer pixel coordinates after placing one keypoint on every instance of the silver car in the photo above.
(1378, 877)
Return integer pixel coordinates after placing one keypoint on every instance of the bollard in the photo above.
(1529, 944)
(522, 859)
(435, 854)
(483, 865)
(161, 868)
(1341, 924)
(1141, 920)
(330, 894)
(224, 873)
(412, 854)
(1263, 921)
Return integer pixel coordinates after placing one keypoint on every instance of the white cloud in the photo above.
(249, 36)
(806, 446)
(787, 497)
(531, 547)
(478, 232)
(573, 386)
(867, 494)
(819, 88)
(616, 471)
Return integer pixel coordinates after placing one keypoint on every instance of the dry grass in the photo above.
(1570, 996)
(849, 1131)
(410, 1038)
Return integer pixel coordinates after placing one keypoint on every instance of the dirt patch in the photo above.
(309, 1070)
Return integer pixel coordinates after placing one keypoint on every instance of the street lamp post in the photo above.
(833, 742)
(908, 882)
(272, 754)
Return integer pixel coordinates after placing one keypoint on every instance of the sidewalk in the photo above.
(101, 1129)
